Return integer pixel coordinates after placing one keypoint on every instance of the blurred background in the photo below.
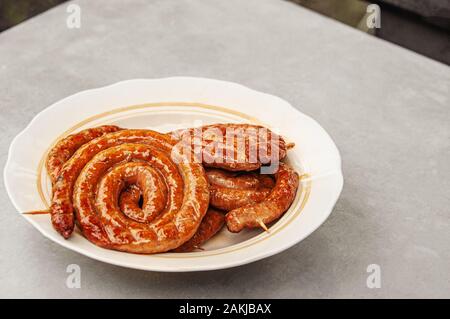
(421, 26)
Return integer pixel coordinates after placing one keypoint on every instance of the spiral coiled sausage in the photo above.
(91, 181)
(65, 148)
(212, 222)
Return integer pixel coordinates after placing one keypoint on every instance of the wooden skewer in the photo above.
(263, 226)
(290, 145)
(37, 212)
(198, 247)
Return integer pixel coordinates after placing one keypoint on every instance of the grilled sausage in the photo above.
(149, 182)
(230, 190)
(212, 222)
(64, 149)
(234, 147)
(228, 198)
(210, 225)
(271, 208)
(111, 162)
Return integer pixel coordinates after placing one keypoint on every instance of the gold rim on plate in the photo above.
(305, 180)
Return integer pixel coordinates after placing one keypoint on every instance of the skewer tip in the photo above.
(37, 212)
(263, 226)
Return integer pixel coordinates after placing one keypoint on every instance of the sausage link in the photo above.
(129, 200)
(147, 179)
(99, 215)
(233, 147)
(233, 180)
(228, 198)
(231, 190)
(62, 206)
(64, 149)
(271, 208)
(210, 225)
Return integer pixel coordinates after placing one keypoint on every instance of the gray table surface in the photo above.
(387, 109)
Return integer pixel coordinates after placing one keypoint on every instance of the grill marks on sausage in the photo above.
(129, 203)
(252, 198)
(210, 225)
(141, 177)
(61, 208)
(255, 149)
(97, 172)
(65, 148)
(272, 207)
(169, 229)
(230, 190)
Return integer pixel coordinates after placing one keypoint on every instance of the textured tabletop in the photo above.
(387, 109)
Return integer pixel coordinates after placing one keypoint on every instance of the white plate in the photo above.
(163, 105)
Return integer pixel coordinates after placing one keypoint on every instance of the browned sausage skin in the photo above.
(271, 208)
(64, 149)
(231, 190)
(228, 198)
(129, 200)
(210, 225)
(101, 220)
(62, 207)
(146, 179)
(233, 147)
(234, 180)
